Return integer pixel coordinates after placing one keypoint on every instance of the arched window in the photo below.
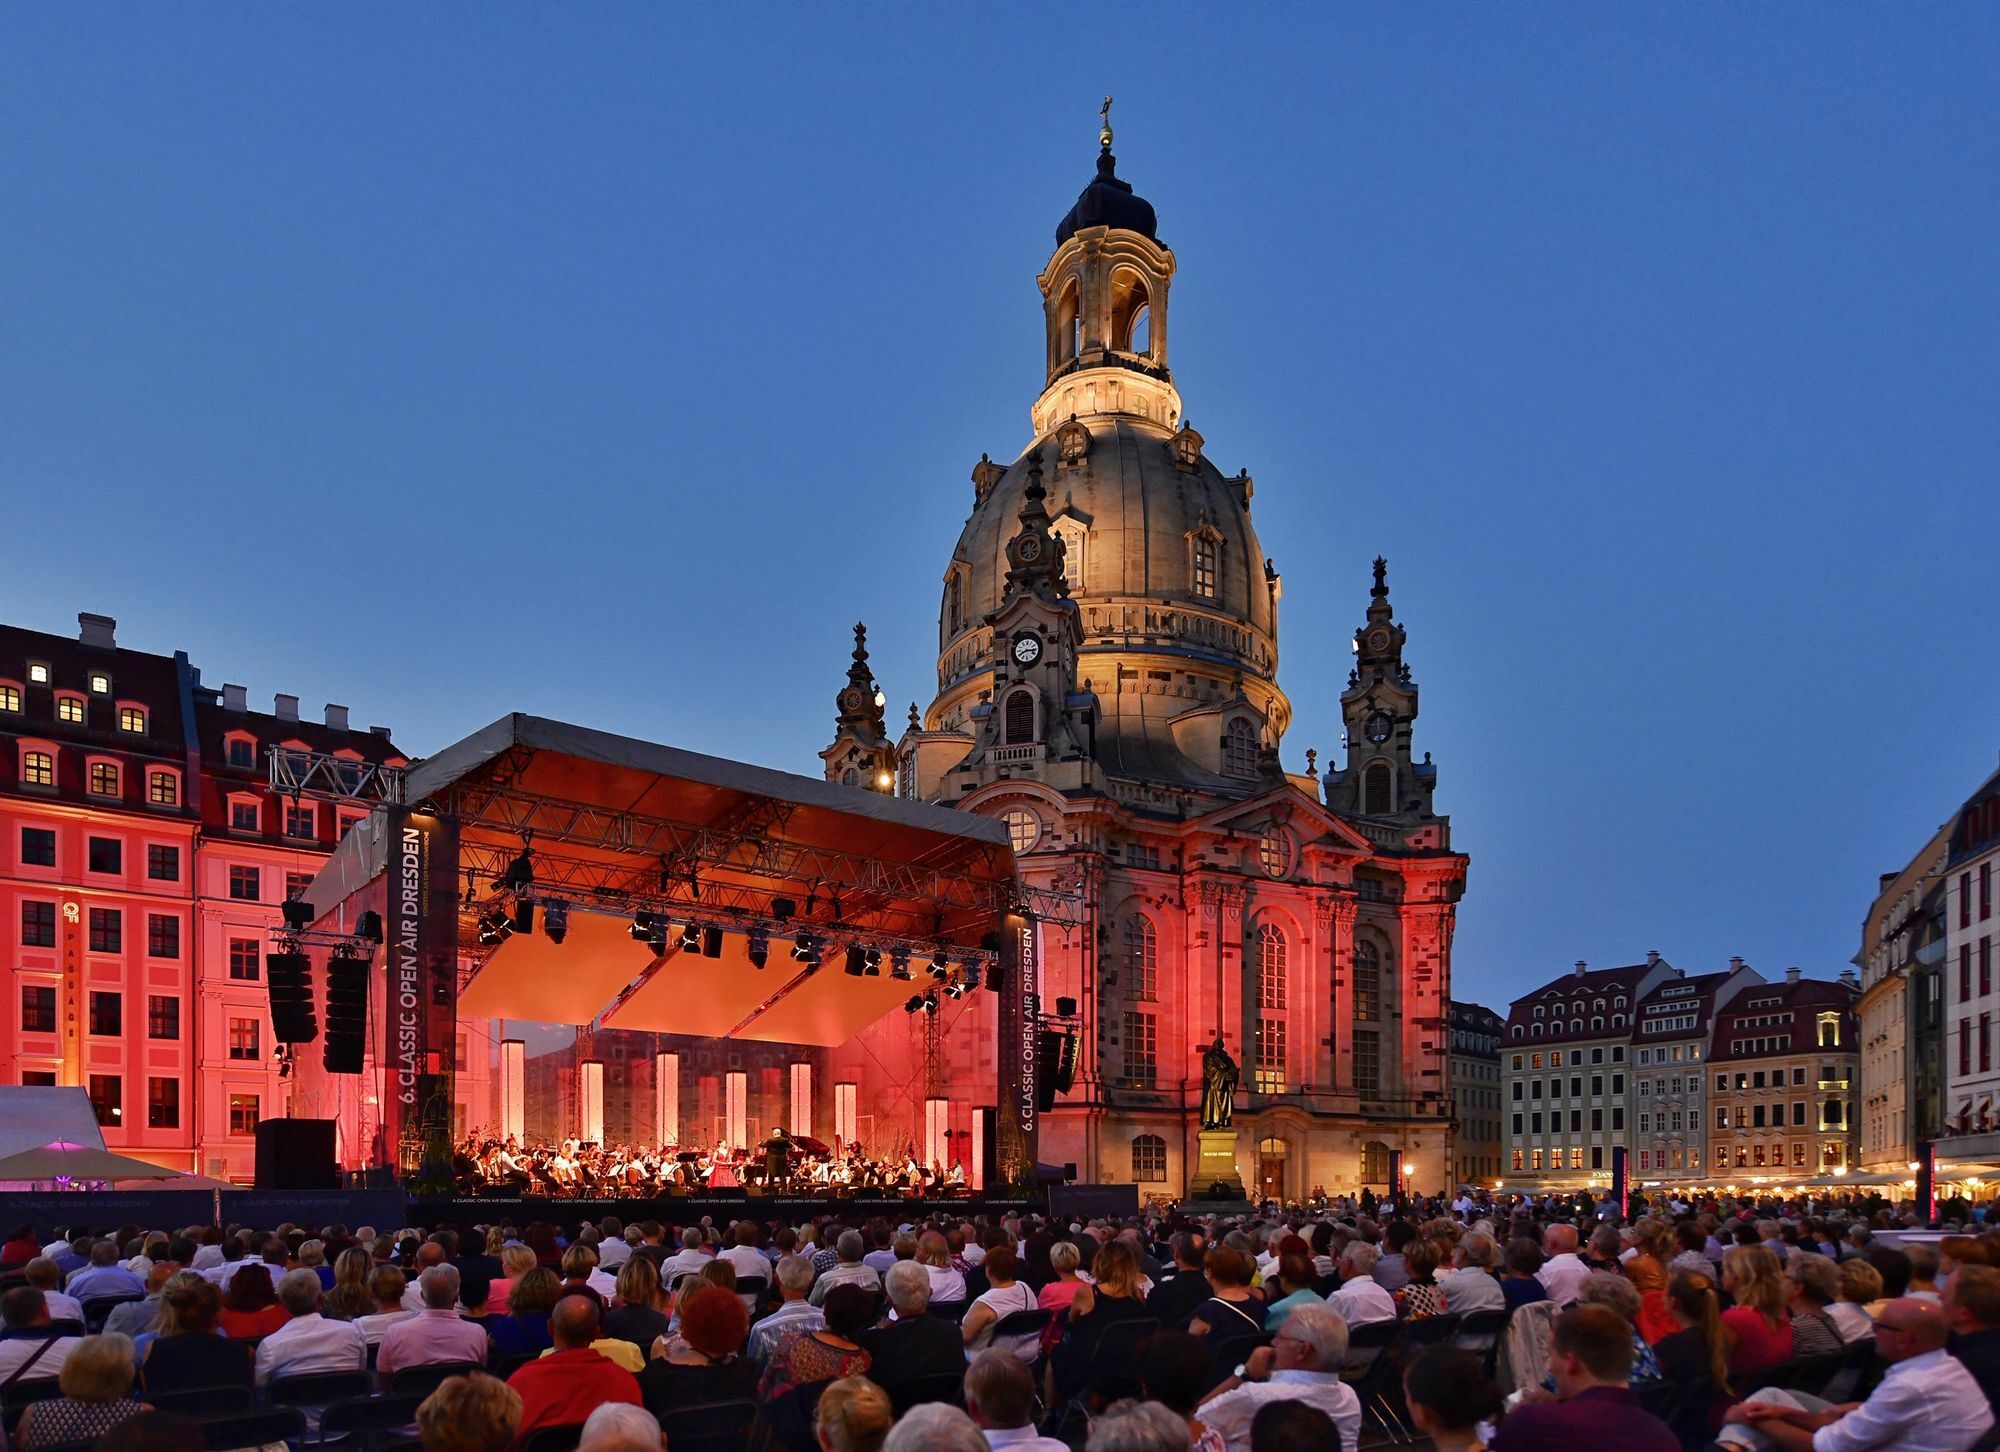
(1375, 1163)
(1130, 311)
(1149, 1159)
(1272, 996)
(1206, 571)
(1368, 983)
(1069, 322)
(1239, 748)
(1142, 957)
(1019, 724)
(954, 607)
(1024, 828)
(1140, 338)
(1378, 795)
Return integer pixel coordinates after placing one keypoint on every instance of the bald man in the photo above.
(1562, 1275)
(1927, 1402)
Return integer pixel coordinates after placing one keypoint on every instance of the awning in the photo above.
(64, 1159)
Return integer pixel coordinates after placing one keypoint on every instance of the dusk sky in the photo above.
(609, 361)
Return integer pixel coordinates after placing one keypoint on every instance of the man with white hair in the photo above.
(1301, 1364)
(935, 1427)
(1360, 1299)
(436, 1335)
(915, 1344)
(1469, 1285)
(620, 1427)
(308, 1342)
(847, 1269)
(795, 1316)
(690, 1259)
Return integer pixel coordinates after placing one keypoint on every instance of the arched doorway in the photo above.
(1271, 1169)
(1375, 1164)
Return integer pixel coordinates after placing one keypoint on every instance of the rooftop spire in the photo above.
(1034, 555)
(1104, 135)
(1378, 603)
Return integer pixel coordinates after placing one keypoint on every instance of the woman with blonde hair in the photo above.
(350, 1299)
(1860, 1291)
(96, 1385)
(1111, 1297)
(934, 1255)
(1762, 1331)
(854, 1416)
(642, 1313)
(184, 1350)
(516, 1260)
(469, 1414)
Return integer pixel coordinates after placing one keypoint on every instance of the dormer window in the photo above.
(133, 719)
(10, 697)
(245, 815)
(1239, 749)
(38, 673)
(104, 778)
(70, 709)
(243, 752)
(100, 684)
(1205, 562)
(163, 789)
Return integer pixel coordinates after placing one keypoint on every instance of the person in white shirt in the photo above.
(1360, 1298)
(847, 1268)
(614, 1249)
(1564, 1273)
(27, 1342)
(795, 1314)
(1470, 1284)
(308, 1342)
(385, 1284)
(1301, 1364)
(690, 1258)
(1927, 1401)
(744, 1254)
(1000, 1399)
(46, 1276)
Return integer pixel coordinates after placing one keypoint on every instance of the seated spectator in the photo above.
(28, 1347)
(1360, 1298)
(916, 1343)
(1000, 1399)
(526, 1323)
(1470, 1285)
(1290, 1283)
(1064, 1263)
(616, 1427)
(1420, 1295)
(104, 1276)
(152, 1431)
(1174, 1369)
(580, 1272)
(515, 1259)
(935, 1427)
(1522, 1282)
(795, 1314)
(1232, 1308)
(250, 1306)
(1303, 1363)
(704, 1364)
(1693, 1252)
(1389, 1265)
(1698, 1348)
(351, 1297)
(469, 1414)
(308, 1342)
(21, 1247)
(312, 1257)
(640, 1313)
(96, 1386)
(1003, 1297)
(1591, 1359)
(436, 1335)
(846, 1270)
(1923, 1272)
(1112, 1298)
(934, 1255)
(1291, 1426)
(1894, 1267)
(854, 1415)
(46, 1276)
(1762, 1330)
(1609, 1288)
(834, 1350)
(385, 1287)
(1860, 1288)
(1449, 1394)
(1173, 1299)
(1972, 1311)
(573, 1380)
(1562, 1273)
(189, 1349)
(1927, 1399)
(1812, 1284)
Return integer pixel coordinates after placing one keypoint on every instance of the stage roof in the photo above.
(618, 825)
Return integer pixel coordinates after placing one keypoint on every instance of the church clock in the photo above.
(1378, 727)
(1027, 650)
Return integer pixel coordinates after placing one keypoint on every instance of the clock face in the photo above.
(1027, 650)
(1378, 728)
(851, 699)
(1028, 547)
(1378, 641)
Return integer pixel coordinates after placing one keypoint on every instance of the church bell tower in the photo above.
(1379, 708)
(861, 754)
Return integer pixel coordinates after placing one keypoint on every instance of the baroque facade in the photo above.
(1901, 1010)
(1476, 1031)
(1107, 686)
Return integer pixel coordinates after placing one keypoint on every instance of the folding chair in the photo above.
(424, 1380)
(947, 1387)
(205, 1401)
(253, 1429)
(560, 1438)
(707, 1426)
(362, 1421)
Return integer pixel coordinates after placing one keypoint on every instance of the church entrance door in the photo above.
(1271, 1169)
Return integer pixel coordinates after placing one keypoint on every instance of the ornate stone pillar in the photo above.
(1426, 985)
(1337, 914)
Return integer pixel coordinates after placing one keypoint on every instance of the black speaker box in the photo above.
(296, 1154)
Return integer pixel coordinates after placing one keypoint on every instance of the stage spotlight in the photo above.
(930, 1002)
(899, 963)
(298, 913)
(493, 928)
(857, 961)
(760, 947)
(1065, 1008)
(524, 915)
(368, 927)
(642, 927)
(521, 871)
(555, 919)
(802, 946)
(711, 942)
(690, 939)
(996, 976)
(782, 908)
(874, 962)
(916, 1002)
(656, 935)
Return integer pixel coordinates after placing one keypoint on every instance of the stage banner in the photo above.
(1093, 1202)
(104, 1210)
(1020, 1025)
(420, 1015)
(383, 1209)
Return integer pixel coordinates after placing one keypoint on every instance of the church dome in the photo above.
(1109, 202)
(1159, 550)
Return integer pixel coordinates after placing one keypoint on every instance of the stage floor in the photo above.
(431, 1211)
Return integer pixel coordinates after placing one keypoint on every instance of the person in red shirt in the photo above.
(567, 1384)
(21, 1247)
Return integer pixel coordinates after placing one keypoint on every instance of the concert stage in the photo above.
(431, 1211)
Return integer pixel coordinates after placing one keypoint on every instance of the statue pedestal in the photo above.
(1216, 1165)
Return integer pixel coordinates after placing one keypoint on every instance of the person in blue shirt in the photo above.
(104, 1276)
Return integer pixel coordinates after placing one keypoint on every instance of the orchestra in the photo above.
(784, 1164)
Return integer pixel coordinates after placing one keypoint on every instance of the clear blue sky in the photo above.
(608, 361)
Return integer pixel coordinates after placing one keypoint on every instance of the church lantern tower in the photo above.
(1379, 707)
(861, 754)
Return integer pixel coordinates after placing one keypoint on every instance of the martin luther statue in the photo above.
(1218, 1086)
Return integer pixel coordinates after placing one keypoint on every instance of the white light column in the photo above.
(736, 1108)
(843, 1113)
(975, 1173)
(937, 1119)
(667, 1098)
(802, 1099)
(513, 1087)
(590, 1100)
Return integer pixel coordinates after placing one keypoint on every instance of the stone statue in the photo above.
(1218, 1086)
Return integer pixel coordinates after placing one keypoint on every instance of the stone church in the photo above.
(1107, 686)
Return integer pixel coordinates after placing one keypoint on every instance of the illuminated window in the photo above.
(107, 1094)
(1024, 828)
(1142, 957)
(1270, 1055)
(1576, 1159)
(1141, 1048)
(163, 789)
(243, 1114)
(1271, 965)
(1149, 1159)
(70, 709)
(100, 684)
(38, 673)
(131, 718)
(1517, 1159)
(1274, 852)
(104, 779)
(10, 698)
(1535, 1159)
(38, 768)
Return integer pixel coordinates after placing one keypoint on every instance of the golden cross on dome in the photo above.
(1104, 136)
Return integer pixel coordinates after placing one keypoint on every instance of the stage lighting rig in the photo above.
(782, 908)
(297, 912)
(802, 946)
(916, 1002)
(874, 963)
(899, 963)
(555, 919)
(494, 928)
(690, 938)
(642, 927)
(711, 942)
(524, 914)
(760, 947)
(521, 871)
(368, 928)
(857, 961)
